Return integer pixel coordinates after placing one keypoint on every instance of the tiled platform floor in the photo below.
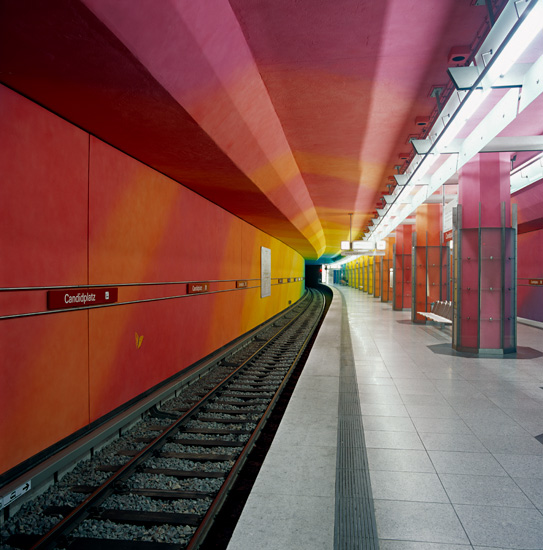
(454, 461)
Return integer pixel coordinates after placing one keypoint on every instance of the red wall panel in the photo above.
(76, 211)
(43, 242)
(43, 196)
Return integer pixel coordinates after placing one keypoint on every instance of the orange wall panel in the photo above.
(43, 383)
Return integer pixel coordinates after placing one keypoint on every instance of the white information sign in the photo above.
(448, 219)
(265, 272)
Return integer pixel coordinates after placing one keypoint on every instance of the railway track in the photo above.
(162, 485)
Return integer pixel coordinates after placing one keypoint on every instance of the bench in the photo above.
(441, 313)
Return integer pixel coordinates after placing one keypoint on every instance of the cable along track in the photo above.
(163, 486)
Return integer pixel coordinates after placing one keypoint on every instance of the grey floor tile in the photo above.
(321, 383)
(377, 380)
(512, 444)
(473, 402)
(466, 443)
(405, 545)
(299, 428)
(410, 486)
(280, 522)
(418, 521)
(433, 399)
(521, 465)
(531, 421)
(460, 388)
(442, 374)
(502, 527)
(325, 355)
(441, 425)
(304, 399)
(414, 386)
(399, 460)
(364, 361)
(308, 471)
(372, 389)
(522, 401)
(482, 426)
(431, 411)
(324, 369)
(384, 399)
(490, 415)
(392, 440)
(484, 490)
(363, 372)
(388, 423)
(376, 409)
(466, 463)
(533, 488)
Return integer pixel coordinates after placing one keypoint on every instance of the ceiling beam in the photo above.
(513, 144)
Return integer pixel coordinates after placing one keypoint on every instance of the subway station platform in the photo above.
(394, 441)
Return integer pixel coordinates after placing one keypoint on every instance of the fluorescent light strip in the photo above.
(518, 43)
(463, 107)
(526, 174)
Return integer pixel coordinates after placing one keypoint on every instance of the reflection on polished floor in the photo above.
(454, 457)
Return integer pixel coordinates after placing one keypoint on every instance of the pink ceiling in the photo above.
(289, 113)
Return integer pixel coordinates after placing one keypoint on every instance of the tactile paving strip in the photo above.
(354, 527)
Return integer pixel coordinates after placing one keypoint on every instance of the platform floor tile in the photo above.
(450, 441)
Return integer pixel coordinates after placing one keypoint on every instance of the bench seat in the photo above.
(441, 313)
(435, 317)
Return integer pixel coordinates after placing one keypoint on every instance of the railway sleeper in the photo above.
(231, 411)
(246, 395)
(160, 494)
(196, 442)
(224, 420)
(216, 431)
(208, 442)
(205, 457)
(183, 474)
(133, 517)
(86, 543)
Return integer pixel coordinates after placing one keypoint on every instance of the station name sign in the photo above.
(242, 284)
(536, 282)
(197, 288)
(73, 298)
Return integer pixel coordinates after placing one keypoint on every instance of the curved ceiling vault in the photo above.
(289, 114)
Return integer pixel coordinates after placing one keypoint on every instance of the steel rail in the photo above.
(207, 521)
(82, 511)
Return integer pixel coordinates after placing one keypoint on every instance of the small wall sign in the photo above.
(72, 298)
(242, 284)
(197, 288)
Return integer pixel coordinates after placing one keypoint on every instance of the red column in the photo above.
(402, 268)
(427, 272)
(386, 266)
(485, 264)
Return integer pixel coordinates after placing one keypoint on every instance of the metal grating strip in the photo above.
(354, 527)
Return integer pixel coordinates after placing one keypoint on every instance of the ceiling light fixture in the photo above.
(516, 28)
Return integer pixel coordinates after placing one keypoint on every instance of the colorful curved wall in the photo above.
(75, 211)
